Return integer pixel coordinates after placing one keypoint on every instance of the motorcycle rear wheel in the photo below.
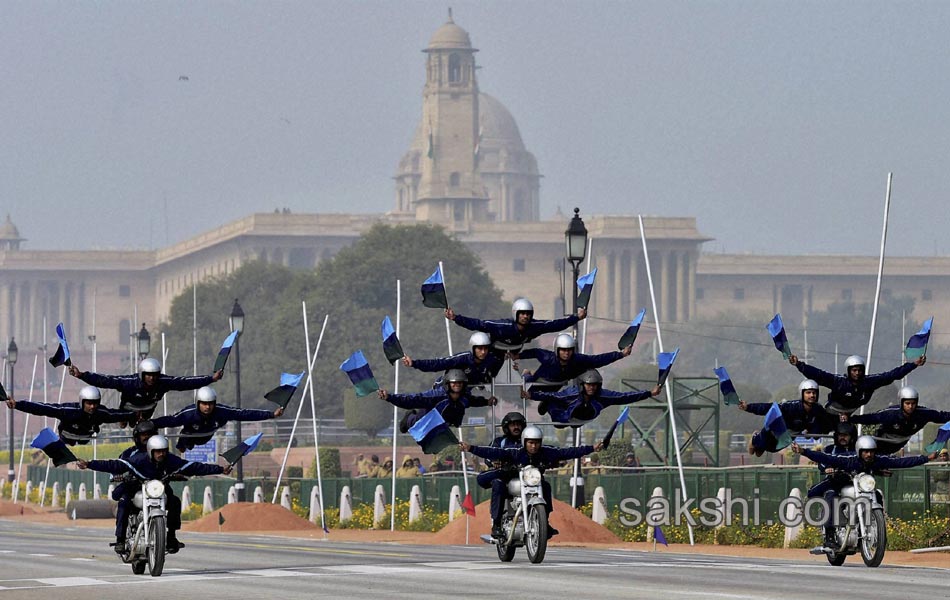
(874, 544)
(155, 551)
(536, 533)
(836, 559)
(138, 567)
(505, 552)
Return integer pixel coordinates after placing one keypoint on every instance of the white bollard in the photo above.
(314, 504)
(29, 490)
(82, 492)
(69, 494)
(455, 502)
(379, 504)
(285, 497)
(415, 504)
(97, 492)
(346, 504)
(793, 512)
(599, 512)
(723, 509)
(185, 498)
(657, 493)
(207, 504)
(109, 490)
(42, 492)
(259, 494)
(55, 502)
(232, 495)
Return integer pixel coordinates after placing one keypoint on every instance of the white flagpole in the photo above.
(590, 250)
(448, 334)
(59, 400)
(26, 429)
(313, 409)
(165, 370)
(293, 430)
(877, 291)
(903, 337)
(669, 393)
(392, 512)
(95, 294)
(194, 329)
(45, 379)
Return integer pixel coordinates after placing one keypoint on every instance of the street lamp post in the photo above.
(236, 321)
(575, 239)
(143, 342)
(11, 360)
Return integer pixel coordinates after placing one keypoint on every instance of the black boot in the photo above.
(497, 532)
(552, 531)
(831, 540)
(407, 421)
(542, 407)
(120, 546)
(172, 545)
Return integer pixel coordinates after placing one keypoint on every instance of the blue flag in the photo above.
(61, 356)
(728, 391)
(775, 424)
(777, 331)
(585, 285)
(391, 346)
(53, 447)
(432, 433)
(3, 394)
(433, 291)
(665, 362)
(224, 352)
(943, 434)
(243, 449)
(658, 536)
(630, 335)
(282, 394)
(917, 344)
(357, 369)
(620, 419)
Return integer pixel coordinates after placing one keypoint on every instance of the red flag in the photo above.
(468, 505)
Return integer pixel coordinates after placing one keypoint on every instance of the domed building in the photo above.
(467, 162)
(10, 236)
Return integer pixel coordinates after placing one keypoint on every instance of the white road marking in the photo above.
(71, 581)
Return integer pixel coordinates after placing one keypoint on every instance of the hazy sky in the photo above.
(774, 123)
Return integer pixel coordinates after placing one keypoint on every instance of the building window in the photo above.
(846, 294)
(455, 68)
(927, 295)
(699, 293)
(124, 332)
(454, 179)
(125, 291)
(519, 264)
(738, 294)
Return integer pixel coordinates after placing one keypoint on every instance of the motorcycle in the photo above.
(525, 518)
(147, 526)
(861, 526)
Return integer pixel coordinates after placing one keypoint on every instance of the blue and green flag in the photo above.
(357, 369)
(630, 335)
(391, 346)
(433, 291)
(432, 433)
(224, 352)
(726, 388)
(53, 447)
(61, 356)
(775, 424)
(777, 331)
(917, 344)
(665, 362)
(282, 394)
(943, 434)
(585, 285)
(243, 449)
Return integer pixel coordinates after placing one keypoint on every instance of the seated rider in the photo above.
(157, 463)
(124, 492)
(511, 425)
(532, 453)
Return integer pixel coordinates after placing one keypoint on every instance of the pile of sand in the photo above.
(9, 509)
(574, 527)
(250, 516)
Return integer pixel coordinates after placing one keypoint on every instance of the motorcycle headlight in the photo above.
(532, 476)
(154, 489)
(866, 482)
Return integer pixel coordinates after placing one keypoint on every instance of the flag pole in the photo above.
(313, 408)
(590, 249)
(880, 273)
(669, 393)
(448, 334)
(392, 512)
(49, 461)
(296, 420)
(26, 428)
(164, 370)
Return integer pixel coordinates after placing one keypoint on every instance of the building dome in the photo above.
(450, 36)
(498, 127)
(9, 235)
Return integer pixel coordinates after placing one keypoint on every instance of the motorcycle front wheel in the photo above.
(536, 533)
(155, 551)
(874, 543)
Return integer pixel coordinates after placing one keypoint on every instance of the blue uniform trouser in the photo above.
(764, 440)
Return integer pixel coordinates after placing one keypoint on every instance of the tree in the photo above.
(365, 414)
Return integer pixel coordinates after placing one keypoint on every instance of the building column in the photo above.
(623, 301)
(661, 267)
(4, 311)
(681, 262)
(635, 261)
(15, 313)
(692, 285)
(611, 284)
(31, 306)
